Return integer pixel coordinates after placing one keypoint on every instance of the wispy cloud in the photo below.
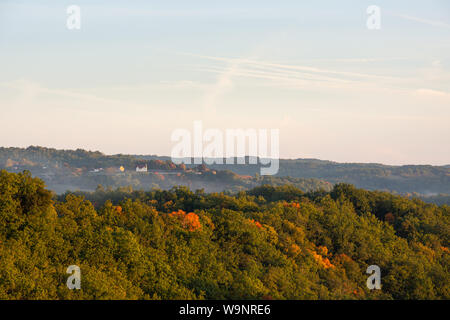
(433, 23)
(356, 60)
(433, 93)
(298, 80)
(298, 68)
(305, 77)
(29, 90)
(223, 84)
(300, 76)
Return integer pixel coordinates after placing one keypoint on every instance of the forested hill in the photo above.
(64, 170)
(265, 243)
(423, 179)
(72, 169)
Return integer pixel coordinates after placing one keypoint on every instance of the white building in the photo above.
(141, 168)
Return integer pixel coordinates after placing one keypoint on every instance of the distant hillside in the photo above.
(76, 170)
(64, 170)
(424, 179)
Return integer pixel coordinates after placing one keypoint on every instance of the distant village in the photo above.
(143, 168)
(86, 174)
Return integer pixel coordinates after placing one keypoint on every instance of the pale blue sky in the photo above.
(137, 70)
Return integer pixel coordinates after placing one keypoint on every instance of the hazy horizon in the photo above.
(281, 158)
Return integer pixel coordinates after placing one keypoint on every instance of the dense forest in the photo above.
(270, 242)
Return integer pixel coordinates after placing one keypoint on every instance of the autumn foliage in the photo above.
(181, 244)
(292, 205)
(189, 221)
(256, 223)
(324, 262)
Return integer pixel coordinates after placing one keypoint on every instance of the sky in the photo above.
(138, 70)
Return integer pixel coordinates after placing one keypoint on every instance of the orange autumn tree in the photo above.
(294, 249)
(118, 209)
(292, 205)
(189, 221)
(323, 261)
(256, 223)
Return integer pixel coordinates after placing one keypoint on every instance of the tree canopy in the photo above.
(271, 242)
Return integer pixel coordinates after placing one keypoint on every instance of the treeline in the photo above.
(226, 181)
(35, 156)
(439, 199)
(271, 242)
(64, 170)
(422, 179)
(70, 168)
